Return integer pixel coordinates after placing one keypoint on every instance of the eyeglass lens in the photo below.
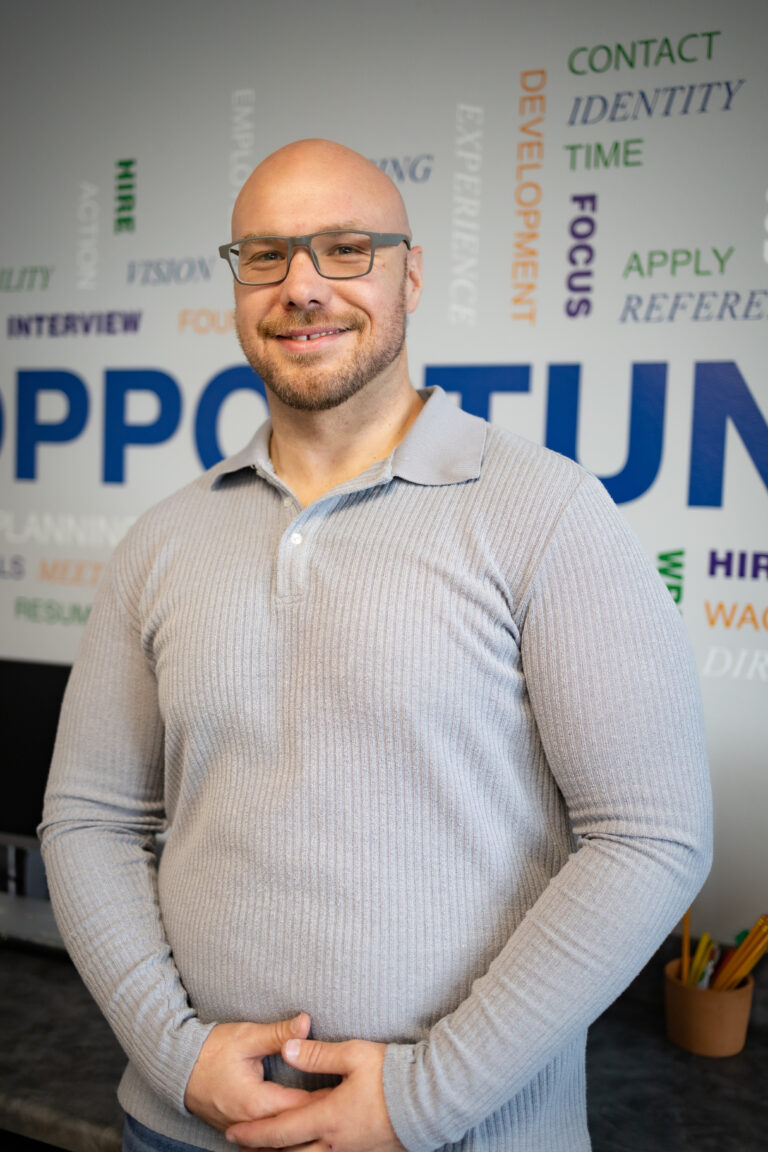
(338, 254)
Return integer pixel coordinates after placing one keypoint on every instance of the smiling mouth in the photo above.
(311, 335)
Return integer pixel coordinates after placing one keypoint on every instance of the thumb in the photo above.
(319, 1056)
(274, 1036)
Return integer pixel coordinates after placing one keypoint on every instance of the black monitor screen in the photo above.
(30, 700)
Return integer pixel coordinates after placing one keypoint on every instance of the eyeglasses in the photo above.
(337, 255)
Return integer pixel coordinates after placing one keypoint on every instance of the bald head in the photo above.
(312, 185)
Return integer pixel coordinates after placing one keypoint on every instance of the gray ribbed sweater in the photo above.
(432, 758)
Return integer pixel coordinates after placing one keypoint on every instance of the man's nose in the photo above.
(304, 287)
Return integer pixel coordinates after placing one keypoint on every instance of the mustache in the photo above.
(309, 319)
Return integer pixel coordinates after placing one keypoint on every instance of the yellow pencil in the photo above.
(699, 959)
(742, 972)
(755, 938)
(755, 934)
(757, 928)
(747, 962)
(685, 960)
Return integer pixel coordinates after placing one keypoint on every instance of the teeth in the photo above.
(317, 335)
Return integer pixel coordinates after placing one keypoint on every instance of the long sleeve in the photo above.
(372, 725)
(104, 804)
(614, 695)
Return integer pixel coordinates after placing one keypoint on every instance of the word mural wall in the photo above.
(590, 189)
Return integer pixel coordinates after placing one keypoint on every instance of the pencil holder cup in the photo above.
(705, 1021)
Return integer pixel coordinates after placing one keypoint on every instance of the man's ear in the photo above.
(414, 277)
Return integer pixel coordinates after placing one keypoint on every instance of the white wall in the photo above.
(194, 94)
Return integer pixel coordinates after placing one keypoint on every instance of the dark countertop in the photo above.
(646, 1095)
(60, 1065)
(59, 1062)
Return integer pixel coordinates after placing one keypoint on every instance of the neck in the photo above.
(316, 451)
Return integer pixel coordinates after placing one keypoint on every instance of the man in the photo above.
(422, 720)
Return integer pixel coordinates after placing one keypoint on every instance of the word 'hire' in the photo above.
(125, 196)
(742, 565)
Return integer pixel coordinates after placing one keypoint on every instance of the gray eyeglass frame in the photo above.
(378, 240)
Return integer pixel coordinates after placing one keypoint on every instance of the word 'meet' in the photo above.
(65, 571)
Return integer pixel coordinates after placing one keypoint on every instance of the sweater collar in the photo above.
(444, 445)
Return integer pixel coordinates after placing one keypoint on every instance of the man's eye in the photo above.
(268, 256)
(346, 250)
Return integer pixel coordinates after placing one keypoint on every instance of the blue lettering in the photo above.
(646, 425)
(213, 396)
(475, 382)
(31, 431)
(716, 562)
(131, 321)
(420, 168)
(118, 434)
(721, 394)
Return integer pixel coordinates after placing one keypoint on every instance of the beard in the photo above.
(299, 382)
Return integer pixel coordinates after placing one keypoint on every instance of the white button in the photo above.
(288, 502)
(296, 538)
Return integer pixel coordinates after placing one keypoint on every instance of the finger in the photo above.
(316, 1146)
(319, 1056)
(274, 1036)
(296, 1126)
(246, 1132)
(274, 1098)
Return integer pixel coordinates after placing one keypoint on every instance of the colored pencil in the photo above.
(754, 936)
(700, 957)
(743, 958)
(685, 961)
(747, 963)
(747, 966)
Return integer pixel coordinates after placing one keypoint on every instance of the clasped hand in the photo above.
(227, 1089)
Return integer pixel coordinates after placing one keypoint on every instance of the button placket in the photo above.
(293, 555)
(299, 536)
